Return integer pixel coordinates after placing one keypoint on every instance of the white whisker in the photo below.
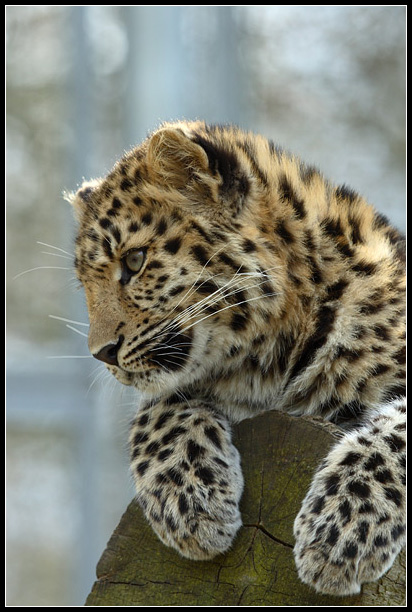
(41, 268)
(51, 246)
(183, 368)
(181, 395)
(260, 297)
(192, 288)
(77, 331)
(68, 320)
(169, 354)
(57, 255)
(100, 375)
(233, 286)
(202, 304)
(70, 357)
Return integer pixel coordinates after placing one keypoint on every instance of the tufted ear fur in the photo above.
(175, 158)
(201, 163)
(80, 199)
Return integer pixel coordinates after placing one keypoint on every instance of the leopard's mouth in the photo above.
(123, 376)
(167, 353)
(172, 351)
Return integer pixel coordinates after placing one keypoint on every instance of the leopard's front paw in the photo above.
(188, 478)
(340, 561)
(352, 522)
(195, 526)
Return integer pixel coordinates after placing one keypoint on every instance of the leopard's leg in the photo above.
(352, 522)
(187, 475)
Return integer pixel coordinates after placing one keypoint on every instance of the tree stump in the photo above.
(279, 455)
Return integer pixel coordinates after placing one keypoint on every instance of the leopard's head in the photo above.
(171, 257)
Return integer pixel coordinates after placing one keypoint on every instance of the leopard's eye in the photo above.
(134, 260)
(132, 263)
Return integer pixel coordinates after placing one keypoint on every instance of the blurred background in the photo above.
(85, 83)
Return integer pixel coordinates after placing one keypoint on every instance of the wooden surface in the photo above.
(279, 455)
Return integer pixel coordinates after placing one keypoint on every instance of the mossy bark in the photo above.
(279, 455)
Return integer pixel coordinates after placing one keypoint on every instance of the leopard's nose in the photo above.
(109, 353)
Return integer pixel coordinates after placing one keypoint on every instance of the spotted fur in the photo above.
(223, 278)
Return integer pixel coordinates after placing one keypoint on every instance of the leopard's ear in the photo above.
(202, 161)
(81, 199)
(176, 159)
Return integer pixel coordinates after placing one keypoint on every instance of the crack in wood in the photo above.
(268, 534)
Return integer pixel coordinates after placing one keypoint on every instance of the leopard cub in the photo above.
(224, 278)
